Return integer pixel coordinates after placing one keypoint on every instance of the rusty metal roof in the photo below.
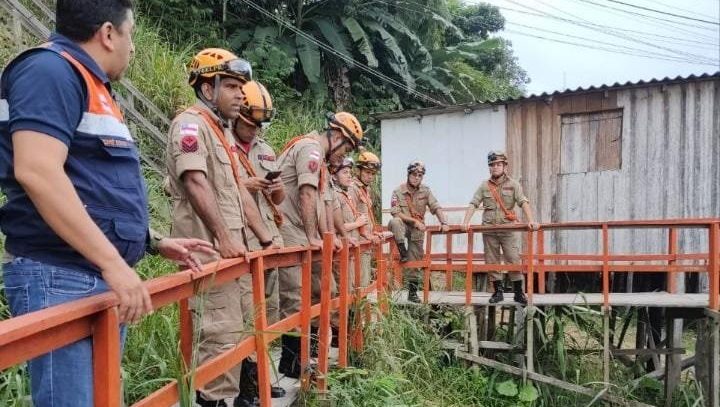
(469, 107)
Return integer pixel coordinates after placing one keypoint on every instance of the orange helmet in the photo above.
(257, 107)
(348, 125)
(217, 61)
(368, 161)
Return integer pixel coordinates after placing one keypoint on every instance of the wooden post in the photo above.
(106, 359)
(672, 251)
(257, 268)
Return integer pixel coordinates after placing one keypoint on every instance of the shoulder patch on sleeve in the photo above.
(394, 201)
(189, 144)
(189, 129)
(313, 165)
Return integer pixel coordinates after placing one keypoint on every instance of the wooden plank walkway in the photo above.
(653, 299)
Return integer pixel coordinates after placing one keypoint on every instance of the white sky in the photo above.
(553, 66)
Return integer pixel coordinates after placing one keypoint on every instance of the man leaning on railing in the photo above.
(76, 216)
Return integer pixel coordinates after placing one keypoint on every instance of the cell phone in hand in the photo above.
(272, 175)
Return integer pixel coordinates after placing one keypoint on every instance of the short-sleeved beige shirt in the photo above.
(193, 146)
(413, 203)
(263, 160)
(363, 199)
(300, 165)
(511, 193)
(347, 204)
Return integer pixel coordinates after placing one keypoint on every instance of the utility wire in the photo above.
(566, 20)
(645, 15)
(332, 51)
(614, 45)
(613, 50)
(620, 35)
(664, 12)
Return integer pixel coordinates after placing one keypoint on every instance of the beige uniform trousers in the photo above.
(415, 245)
(502, 247)
(219, 317)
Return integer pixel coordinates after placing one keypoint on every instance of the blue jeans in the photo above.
(64, 376)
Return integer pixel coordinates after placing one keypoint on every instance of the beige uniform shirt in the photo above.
(363, 199)
(511, 193)
(413, 204)
(300, 165)
(348, 206)
(193, 146)
(263, 160)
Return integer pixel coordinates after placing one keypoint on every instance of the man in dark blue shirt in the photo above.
(76, 216)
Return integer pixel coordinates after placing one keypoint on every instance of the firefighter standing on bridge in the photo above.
(498, 196)
(210, 201)
(407, 206)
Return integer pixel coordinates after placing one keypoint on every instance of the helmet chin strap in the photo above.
(331, 150)
(212, 104)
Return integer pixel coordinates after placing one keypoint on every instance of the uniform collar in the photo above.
(405, 190)
(72, 48)
(202, 106)
(500, 180)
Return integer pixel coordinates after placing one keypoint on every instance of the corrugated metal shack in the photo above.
(638, 150)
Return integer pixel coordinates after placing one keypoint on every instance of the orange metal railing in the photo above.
(33, 334)
(537, 262)
(36, 333)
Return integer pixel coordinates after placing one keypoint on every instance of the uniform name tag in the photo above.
(117, 143)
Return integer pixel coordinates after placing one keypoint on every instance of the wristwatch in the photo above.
(266, 244)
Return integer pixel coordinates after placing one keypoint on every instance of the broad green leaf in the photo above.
(402, 29)
(264, 35)
(333, 36)
(528, 393)
(309, 55)
(507, 388)
(361, 40)
(398, 63)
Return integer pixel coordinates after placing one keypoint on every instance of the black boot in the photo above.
(199, 400)
(519, 294)
(290, 357)
(412, 292)
(498, 294)
(402, 251)
(248, 395)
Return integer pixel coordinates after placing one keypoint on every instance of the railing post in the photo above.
(714, 265)
(529, 267)
(380, 275)
(186, 333)
(305, 305)
(427, 262)
(257, 268)
(324, 330)
(672, 251)
(469, 276)
(357, 329)
(606, 303)
(343, 311)
(541, 261)
(448, 261)
(106, 359)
